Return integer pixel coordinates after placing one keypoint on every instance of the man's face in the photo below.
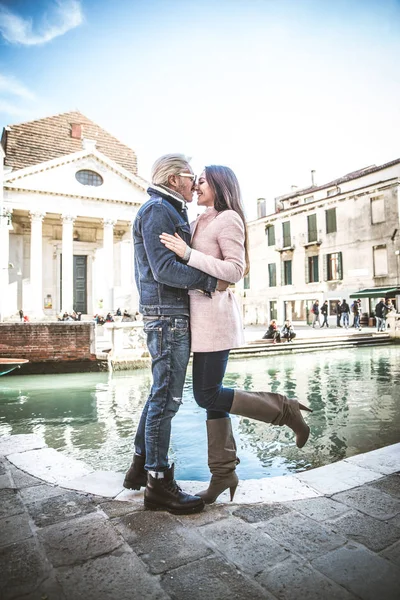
(185, 185)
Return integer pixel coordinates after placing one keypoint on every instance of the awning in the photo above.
(387, 292)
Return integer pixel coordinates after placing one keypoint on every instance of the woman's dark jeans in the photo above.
(208, 372)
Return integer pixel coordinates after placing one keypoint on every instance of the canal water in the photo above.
(354, 394)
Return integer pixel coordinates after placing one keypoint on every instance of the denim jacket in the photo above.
(162, 279)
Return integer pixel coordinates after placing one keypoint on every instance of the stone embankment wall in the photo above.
(50, 347)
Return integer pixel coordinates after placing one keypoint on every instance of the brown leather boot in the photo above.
(163, 493)
(272, 408)
(136, 476)
(222, 460)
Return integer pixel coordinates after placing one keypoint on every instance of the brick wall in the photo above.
(64, 342)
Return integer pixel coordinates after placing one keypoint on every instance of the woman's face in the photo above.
(205, 194)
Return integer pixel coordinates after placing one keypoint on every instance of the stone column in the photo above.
(36, 266)
(67, 269)
(108, 247)
(4, 258)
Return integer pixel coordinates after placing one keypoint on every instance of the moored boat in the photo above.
(10, 364)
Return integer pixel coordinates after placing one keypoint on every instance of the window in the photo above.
(287, 242)
(333, 191)
(380, 261)
(377, 210)
(333, 307)
(287, 272)
(308, 199)
(273, 310)
(330, 216)
(246, 282)
(334, 267)
(270, 232)
(312, 275)
(272, 275)
(86, 177)
(312, 228)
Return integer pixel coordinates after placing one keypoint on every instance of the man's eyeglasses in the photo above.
(192, 177)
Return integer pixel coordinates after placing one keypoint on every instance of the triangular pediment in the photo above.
(58, 177)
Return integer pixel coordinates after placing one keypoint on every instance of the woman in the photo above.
(272, 332)
(219, 248)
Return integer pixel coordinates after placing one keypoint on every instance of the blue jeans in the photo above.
(168, 341)
(357, 321)
(346, 319)
(208, 372)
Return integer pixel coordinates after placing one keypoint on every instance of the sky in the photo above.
(271, 88)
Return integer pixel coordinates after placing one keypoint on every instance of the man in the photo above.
(338, 313)
(324, 313)
(357, 313)
(381, 310)
(163, 282)
(315, 310)
(345, 310)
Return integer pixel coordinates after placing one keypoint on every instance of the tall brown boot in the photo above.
(222, 460)
(272, 408)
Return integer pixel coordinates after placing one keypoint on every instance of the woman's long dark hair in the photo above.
(225, 186)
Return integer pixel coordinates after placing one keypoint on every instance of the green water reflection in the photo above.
(355, 396)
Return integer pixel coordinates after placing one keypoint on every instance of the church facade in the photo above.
(70, 192)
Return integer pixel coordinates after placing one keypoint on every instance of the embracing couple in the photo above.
(183, 276)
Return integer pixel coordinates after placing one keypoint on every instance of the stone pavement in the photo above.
(334, 534)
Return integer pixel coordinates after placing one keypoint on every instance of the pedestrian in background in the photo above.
(272, 332)
(315, 311)
(287, 331)
(345, 310)
(324, 313)
(357, 314)
(338, 313)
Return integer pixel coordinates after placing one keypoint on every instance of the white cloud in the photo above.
(11, 86)
(10, 108)
(63, 16)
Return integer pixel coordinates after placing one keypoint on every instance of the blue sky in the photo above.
(272, 88)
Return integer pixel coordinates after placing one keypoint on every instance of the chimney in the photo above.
(293, 188)
(261, 208)
(312, 178)
(76, 131)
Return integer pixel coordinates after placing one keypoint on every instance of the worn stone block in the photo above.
(6, 482)
(10, 504)
(211, 578)
(372, 533)
(22, 479)
(49, 465)
(337, 477)
(294, 579)
(384, 460)
(3, 468)
(361, 572)
(21, 568)
(319, 509)
(211, 514)
(60, 508)
(390, 485)
(249, 549)
(260, 512)
(116, 508)
(371, 501)
(14, 529)
(106, 578)
(10, 444)
(161, 541)
(392, 553)
(79, 540)
(302, 535)
(40, 492)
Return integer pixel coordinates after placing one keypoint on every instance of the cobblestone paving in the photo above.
(57, 544)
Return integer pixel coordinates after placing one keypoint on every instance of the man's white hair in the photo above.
(169, 164)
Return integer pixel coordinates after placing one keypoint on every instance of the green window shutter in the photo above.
(271, 235)
(325, 266)
(312, 228)
(286, 234)
(340, 265)
(307, 270)
(316, 268)
(330, 215)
